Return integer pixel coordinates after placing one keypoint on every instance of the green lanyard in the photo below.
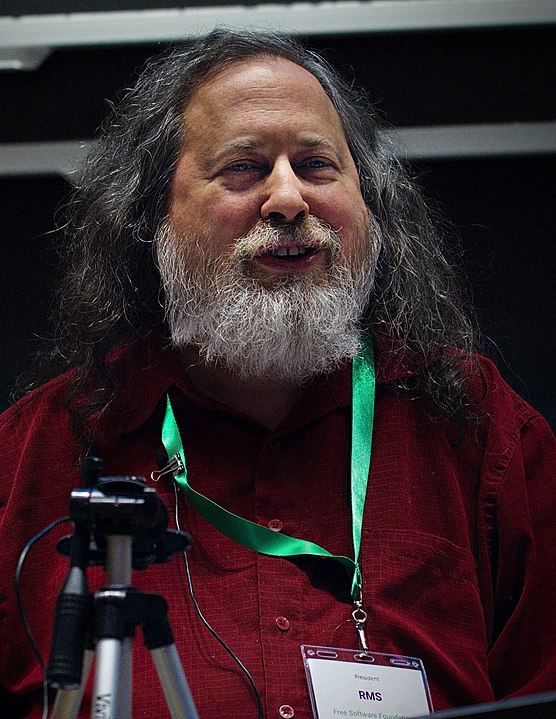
(264, 540)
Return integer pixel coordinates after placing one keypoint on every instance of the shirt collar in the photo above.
(146, 370)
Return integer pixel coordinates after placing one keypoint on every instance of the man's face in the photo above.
(264, 142)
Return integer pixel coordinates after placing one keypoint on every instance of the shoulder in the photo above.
(35, 432)
(40, 424)
(41, 405)
(46, 405)
(39, 455)
(518, 442)
(496, 403)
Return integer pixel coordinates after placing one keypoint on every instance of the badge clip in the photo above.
(360, 617)
(174, 466)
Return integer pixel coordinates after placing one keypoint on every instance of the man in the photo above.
(239, 240)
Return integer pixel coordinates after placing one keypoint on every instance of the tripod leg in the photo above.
(173, 682)
(112, 686)
(68, 701)
(126, 678)
(107, 696)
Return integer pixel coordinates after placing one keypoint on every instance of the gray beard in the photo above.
(298, 328)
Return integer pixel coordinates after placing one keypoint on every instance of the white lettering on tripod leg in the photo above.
(103, 706)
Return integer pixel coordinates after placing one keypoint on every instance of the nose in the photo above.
(284, 200)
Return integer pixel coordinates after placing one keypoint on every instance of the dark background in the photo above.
(501, 209)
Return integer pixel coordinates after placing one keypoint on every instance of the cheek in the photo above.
(220, 218)
(229, 218)
(343, 210)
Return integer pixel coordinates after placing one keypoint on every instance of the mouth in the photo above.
(290, 258)
(292, 252)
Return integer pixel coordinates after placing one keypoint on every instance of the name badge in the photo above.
(367, 685)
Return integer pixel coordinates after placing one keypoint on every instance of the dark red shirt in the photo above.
(458, 549)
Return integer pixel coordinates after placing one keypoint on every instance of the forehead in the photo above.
(261, 89)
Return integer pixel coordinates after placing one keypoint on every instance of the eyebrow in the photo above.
(311, 141)
(316, 141)
(243, 143)
(252, 143)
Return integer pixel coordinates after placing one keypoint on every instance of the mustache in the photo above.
(268, 236)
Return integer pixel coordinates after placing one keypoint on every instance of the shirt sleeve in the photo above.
(522, 657)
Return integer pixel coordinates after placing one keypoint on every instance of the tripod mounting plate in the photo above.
(124, 506)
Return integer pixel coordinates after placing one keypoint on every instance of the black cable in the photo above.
(21, 610)
(205, 621)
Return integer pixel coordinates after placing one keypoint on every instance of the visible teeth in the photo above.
(290, 251)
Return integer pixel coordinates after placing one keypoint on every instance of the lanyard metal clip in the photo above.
(174, 466)
(360, 617)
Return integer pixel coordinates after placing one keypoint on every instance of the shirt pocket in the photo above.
(422, 596)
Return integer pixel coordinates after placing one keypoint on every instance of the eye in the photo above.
(317, 169)
(241, 175)
(242, 167)
(316, 163)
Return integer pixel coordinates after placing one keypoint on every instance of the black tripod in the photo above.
(120, 524)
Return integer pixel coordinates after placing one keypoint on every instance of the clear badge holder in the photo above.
(365, 684)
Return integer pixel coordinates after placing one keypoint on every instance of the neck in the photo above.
(267, 400)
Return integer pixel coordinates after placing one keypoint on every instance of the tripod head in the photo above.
(124, 505)
(106, 510)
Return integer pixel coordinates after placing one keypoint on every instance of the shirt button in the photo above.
(283, 623)
(286, 711)
(274, 444)
(275, 524)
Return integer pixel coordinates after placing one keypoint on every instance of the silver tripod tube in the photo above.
(112, 695)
